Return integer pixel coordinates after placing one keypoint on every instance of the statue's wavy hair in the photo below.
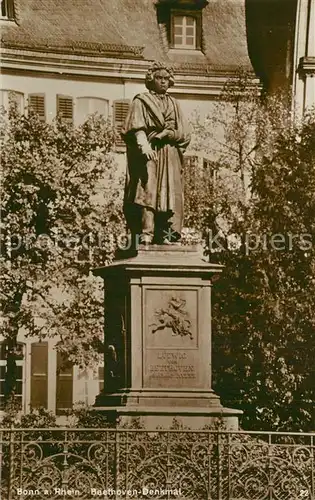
(158, 66)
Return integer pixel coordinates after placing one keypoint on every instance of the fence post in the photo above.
(11, 463)
(65, 464)
(210, 450)
(219, 468)
(312, 466)
(126, 465)
(1, 459)
(229, 465)
(116, 464)
(168, 464)
(21, 461)
(270, 468)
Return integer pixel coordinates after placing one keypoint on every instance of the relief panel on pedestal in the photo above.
(171, 344)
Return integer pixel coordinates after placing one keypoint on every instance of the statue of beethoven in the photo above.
(156, 138)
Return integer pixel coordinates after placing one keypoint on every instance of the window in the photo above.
(16, 100)
(186, 29)
(7, 9)
(36, 104)
(65, 108)
(121, 109)
(199, 170)
(86, 106)
(191, 172)
(64, 384)
(184, 32)
(39, 374)
(180, 23)
(19, 373)
(210, 169)
(12, 98)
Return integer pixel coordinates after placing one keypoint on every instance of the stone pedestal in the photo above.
(158, 339)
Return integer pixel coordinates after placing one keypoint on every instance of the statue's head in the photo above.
(159, 77)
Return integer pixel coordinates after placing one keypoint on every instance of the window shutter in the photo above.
(2, 388)
(19, 359)
(199, 31)
(64, 384)
(36, 104)
(172, 31)
(65, 107)
(121, 109)
(10, 8)
(39, 374)
(101, 378)
(3, 363)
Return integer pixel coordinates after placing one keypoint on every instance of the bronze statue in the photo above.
(156, 137)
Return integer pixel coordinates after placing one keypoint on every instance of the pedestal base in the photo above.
(152, 418)
(154, 409)
(160, 398)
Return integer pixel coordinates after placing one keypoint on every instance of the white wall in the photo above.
(105, 90)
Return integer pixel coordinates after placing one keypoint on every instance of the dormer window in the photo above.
(184, 34)
(7, 10)
(180, 23)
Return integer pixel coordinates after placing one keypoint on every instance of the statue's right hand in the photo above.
(150, 154)
(145, 146)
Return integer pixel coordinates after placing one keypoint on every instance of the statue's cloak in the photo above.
(156, 184)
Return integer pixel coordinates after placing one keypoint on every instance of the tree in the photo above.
(60, 217)
(260, 225)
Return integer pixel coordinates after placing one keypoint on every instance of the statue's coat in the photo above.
(151, 184)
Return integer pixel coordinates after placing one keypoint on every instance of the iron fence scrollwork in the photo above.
(59, 463)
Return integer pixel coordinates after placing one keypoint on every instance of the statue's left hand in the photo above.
(165, 133)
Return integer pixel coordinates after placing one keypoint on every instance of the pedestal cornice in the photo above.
(162, 259)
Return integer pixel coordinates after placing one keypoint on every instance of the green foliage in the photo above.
(37, 418)
(260, 225)
(86, 417)
(42, 429)
(60, 218)
(199, 194)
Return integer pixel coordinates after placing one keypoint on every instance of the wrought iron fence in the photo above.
(120, 464)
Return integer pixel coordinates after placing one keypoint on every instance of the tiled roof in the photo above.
(99, 25)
